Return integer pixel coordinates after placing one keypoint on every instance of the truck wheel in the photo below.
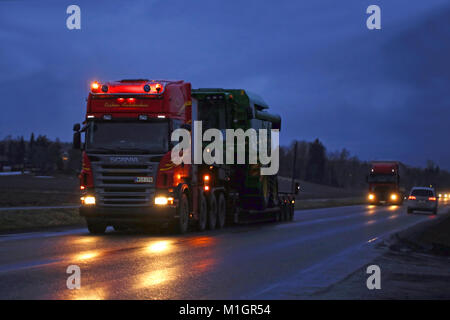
(283, 210)
(278, 215)
(221, 211)
(265, 193)
(181, 225)
(202, 213)
(95, 227)
(291, 211)
(286, 210)
(212, 212)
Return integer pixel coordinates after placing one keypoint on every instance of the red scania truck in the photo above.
(384, 183)
(128, 178)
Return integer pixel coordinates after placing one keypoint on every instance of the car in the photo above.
(422, 199)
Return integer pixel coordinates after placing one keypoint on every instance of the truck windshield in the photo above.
(382, 178)
(152, 137)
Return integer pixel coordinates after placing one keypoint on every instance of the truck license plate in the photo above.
(143, 180)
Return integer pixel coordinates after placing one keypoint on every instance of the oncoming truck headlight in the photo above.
(162, 201)
(371, 196)
(394, 197)
(88, 200)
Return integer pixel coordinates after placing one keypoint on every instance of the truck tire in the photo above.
(283, 210)
(264, 196)
(286, 210)
(221, 211)
(182, 223)
(96, 227)
(278, 215)
(291, 211)
(212, 212)
(202, 213)
(273, 197)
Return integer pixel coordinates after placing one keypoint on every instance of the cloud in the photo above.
(314, 62)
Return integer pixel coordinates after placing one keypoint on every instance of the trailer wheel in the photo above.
(278, 215)
(212, 212)
(202, 213)
(291, 210)
(96, 227)
(283, 214)
(181, 224)
(221, 211)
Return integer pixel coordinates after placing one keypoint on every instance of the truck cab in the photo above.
(126, 171)
(384, 183)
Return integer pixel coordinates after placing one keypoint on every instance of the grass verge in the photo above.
(437, 235)
(24, 220)
(35, 219)
(327, 203)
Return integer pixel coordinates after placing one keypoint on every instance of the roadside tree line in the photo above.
(38, 154)
(341, 169)
(314, 163)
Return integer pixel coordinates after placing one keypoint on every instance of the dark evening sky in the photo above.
(382, 94)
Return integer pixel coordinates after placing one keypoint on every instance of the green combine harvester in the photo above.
(240, 109)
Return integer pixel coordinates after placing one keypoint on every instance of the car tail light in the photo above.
(411, 198)
(432, 198)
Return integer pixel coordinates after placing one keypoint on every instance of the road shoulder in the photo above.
(416, 265)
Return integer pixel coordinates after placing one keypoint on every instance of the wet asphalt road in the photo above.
(261, 261)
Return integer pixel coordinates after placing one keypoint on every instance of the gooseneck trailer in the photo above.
(128, 177)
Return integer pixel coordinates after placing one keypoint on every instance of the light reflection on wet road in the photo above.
(256, 261)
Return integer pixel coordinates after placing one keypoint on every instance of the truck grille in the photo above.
(115, 184)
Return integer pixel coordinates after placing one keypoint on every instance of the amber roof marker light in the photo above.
(95, 86)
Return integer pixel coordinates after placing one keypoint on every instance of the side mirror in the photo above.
(297, 188)
(76, 127)
(76, 144)
(76, 140)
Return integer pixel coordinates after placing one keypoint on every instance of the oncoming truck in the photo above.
(384, 183)
(128, 177)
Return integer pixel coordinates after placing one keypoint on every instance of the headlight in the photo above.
(371, 196)
(394, 196)
(162, 201)
(88, 200)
